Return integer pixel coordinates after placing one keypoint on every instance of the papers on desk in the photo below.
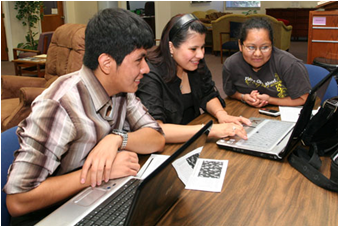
(32, 59)
(43, 56)
(194, 172)
(201, 174)
(292, 113)
(208, 175)
(185, 165)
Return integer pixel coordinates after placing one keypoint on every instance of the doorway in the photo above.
(4, 47)
(53, 15)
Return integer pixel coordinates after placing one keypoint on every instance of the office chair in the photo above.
(43, 44)
(9, 143)
(28, 68)
(232, 44)
(317, 73)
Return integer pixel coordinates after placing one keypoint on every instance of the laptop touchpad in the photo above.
(88, 197)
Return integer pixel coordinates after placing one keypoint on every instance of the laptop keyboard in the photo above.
(268, 135)
(114, 210)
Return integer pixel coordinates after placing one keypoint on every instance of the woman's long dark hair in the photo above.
(161, 56)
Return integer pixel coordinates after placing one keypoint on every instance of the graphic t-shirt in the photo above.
(282, 76)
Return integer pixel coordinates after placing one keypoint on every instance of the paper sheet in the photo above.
(208, 175)
(289, 113)
(195, 173)
(292, 113)
(185, 165)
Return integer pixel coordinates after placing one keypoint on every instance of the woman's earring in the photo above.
(171, 55)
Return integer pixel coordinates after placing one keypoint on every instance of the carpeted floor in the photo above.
(298, 49)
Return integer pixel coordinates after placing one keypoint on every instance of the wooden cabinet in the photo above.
(298, 18)
(323, 35)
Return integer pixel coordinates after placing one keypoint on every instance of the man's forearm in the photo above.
(49, 192)
(145, 141)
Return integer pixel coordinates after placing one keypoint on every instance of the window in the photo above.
(242, 5)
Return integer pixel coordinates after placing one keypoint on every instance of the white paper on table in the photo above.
(153, 162)
(185, 165)
(292, 113)
(208, 175)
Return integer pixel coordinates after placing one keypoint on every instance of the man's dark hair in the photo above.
(116, 32)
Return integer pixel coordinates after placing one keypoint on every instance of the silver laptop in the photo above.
(131, 200)
(274, 139)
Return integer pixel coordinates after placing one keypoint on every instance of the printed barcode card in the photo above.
(208, 175)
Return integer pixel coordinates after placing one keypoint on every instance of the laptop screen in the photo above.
(313, 102)
(161, 189)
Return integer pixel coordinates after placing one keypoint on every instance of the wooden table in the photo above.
(256, 191)
(30, 66)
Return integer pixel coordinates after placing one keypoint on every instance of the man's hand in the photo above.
(100, 160)
(126, 163)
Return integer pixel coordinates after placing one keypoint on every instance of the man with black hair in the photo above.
(87, 127)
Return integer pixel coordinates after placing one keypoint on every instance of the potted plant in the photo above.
(29, 12)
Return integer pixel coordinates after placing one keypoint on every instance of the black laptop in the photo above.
(129, 201)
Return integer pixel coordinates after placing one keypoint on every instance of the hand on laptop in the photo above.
(234, 119)
(125, 164)
(228, 129)
(104, 162)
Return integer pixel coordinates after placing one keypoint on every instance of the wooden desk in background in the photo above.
(256, 191)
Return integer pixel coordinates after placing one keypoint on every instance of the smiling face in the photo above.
(190, 52)
(128, 75)
(257, 48)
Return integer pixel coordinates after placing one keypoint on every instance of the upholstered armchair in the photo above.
(281, 33)
(64, 56)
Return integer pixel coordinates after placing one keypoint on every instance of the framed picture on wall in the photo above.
(242, 5)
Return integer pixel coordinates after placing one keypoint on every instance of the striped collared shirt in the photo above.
(68, 119)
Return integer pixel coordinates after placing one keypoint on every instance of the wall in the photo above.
(82, 11)
(14, 26)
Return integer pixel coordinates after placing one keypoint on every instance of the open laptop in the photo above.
(274, 139)
(149, 198)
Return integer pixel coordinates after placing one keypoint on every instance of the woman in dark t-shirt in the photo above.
(179, 84)
(260, 74)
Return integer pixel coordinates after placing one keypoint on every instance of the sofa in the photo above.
(64, 55)
(206, 17)
(281, 32)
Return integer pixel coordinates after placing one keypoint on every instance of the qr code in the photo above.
(192, 160)
(210, 169)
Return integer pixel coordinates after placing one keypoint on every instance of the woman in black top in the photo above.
(180, 84)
